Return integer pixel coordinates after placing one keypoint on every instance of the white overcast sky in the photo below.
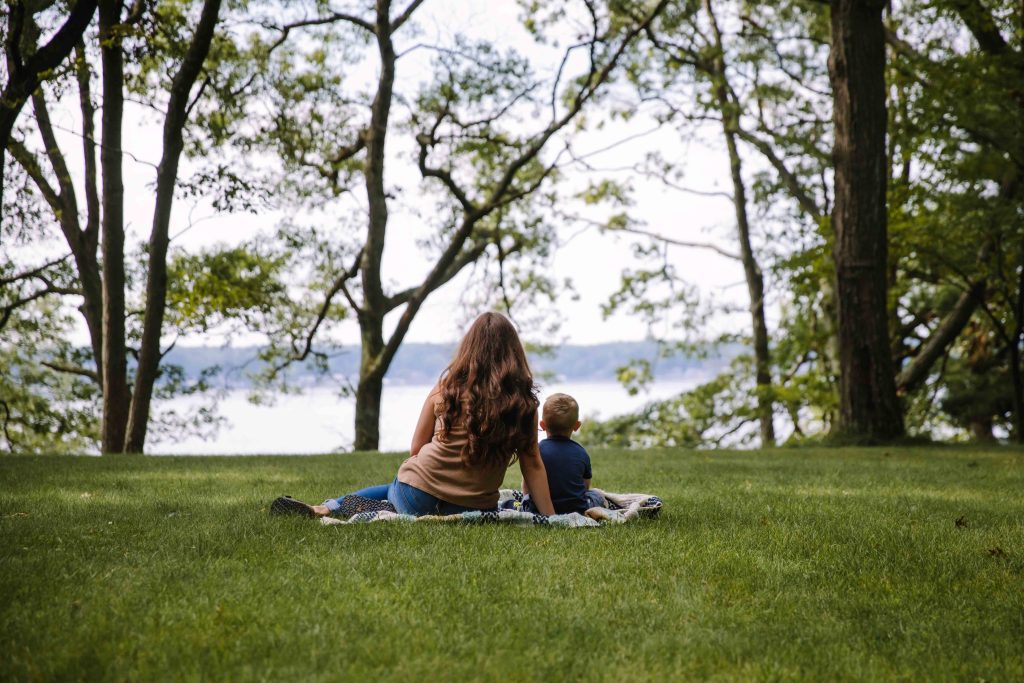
(591, 260)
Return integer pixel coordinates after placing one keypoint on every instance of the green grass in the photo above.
(791, 565)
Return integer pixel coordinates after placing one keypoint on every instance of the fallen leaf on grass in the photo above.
(997, 552)
(18, 514)
(961, 522)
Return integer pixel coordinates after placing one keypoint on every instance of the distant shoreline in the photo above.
(418, 363)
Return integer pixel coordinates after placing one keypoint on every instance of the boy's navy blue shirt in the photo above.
(567, 464)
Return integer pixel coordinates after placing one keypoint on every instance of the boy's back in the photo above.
(567, 464)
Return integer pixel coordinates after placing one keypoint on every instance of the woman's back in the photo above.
(440, 470)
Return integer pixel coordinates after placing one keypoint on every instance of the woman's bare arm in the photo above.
(424, 431)
(536, 477)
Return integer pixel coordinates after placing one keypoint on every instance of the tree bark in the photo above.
(374, 307)
(166, 178)
(371, 382)
(1015, 369)
(751, 269)
(981, 429)
(116, 394)
(869, 409)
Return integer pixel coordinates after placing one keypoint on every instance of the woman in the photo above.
(479, 419)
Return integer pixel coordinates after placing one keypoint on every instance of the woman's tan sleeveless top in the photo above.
(438, 469)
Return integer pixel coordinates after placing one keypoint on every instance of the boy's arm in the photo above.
(586, 482)
(536, 476)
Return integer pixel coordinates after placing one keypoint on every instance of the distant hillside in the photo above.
(422, 363)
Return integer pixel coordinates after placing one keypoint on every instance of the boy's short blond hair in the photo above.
(561, 413)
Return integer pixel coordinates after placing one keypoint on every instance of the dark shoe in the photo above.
(353, 505)
(286, 505)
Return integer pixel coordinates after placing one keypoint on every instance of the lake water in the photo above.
(319, 421)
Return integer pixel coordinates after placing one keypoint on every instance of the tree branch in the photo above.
(71, 370)
(981, 25)
(34, 273)
(681, 243)
(791, 182)
(404, 16)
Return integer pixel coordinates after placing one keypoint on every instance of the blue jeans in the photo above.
(407, 500)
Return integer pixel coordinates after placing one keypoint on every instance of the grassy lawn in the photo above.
(792, 565)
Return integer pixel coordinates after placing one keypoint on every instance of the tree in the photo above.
(469, 133)
(101, 277)
(695, 74)
(868, 406)
(958, 150)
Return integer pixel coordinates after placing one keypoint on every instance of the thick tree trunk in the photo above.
(166, 177)
(371, 319)
(115, 363)
(751, 269)
(981, 429)
(1015, 369)
(89, 267)
(868, 406)
(371, 383)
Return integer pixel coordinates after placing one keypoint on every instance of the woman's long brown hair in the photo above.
(489, 388)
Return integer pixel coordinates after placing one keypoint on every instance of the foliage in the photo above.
(42, 409)
(714, 414)
(480, 169)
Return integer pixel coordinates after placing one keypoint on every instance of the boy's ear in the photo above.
(543, 426)
(578, 423)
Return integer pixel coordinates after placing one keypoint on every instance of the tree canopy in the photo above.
(875, 214)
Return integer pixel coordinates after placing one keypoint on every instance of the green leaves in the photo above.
(225, 286)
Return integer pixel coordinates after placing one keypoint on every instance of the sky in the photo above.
(593, 261)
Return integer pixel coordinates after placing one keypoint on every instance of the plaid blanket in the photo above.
(622, 508)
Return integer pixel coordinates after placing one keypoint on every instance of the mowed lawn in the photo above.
(790, 565)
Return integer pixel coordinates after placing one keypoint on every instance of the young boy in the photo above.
(567, 463)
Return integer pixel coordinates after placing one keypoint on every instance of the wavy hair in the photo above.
(489, 388)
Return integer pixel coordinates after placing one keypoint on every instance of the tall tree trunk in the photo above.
(371, 383)
(89, 268)
(1015, 369)
(751, 269)
(371, 319)
(115, 363)
(82, 243)
(868, 406)
(981, 429)
(166, 178)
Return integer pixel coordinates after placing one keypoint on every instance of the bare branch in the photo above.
(302, 354)
(71, 370)
(332, 18)
(34, 273)
(404, 16)
(680, 243)
(464, 259)
(790, 180)
(31, 166)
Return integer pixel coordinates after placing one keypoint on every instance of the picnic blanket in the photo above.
(622, 508)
